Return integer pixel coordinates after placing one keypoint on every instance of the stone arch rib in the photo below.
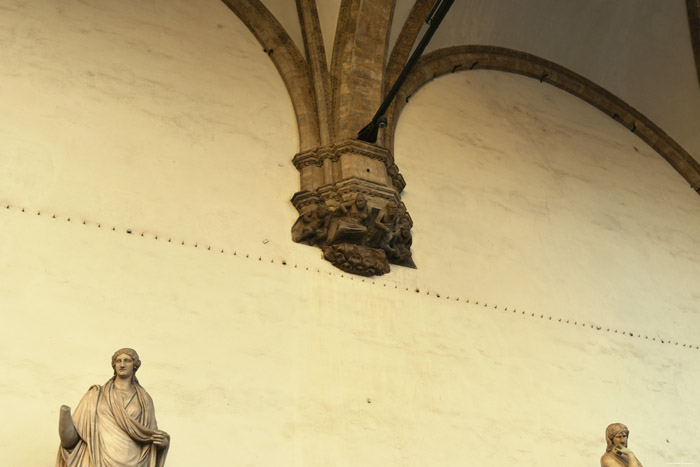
(407, 37)
(402, 49)
(289, 63)
(461, 58)
(357, 65)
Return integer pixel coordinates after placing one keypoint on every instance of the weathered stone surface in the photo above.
(350, 196)
(357, 259)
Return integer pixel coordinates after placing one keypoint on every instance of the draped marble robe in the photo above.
(115, 430)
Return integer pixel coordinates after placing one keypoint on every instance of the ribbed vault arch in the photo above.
(289, 62)
(461, 58)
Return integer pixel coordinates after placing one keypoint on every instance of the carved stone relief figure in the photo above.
(114, 424)
(312, 226)
(382, 230)
(356, 238)
(351, 196)
(350, 221)
(402, 239)
(617, 454)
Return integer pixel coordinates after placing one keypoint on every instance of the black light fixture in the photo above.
(435, 17)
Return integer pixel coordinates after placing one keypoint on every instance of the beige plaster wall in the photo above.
(542, 202)
(263, 355)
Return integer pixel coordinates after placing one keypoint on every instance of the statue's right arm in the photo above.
(66, 428)
(632, 459)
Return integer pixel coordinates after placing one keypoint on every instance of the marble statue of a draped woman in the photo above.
(114, 425)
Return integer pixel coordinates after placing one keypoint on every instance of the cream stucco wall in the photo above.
(171, 122)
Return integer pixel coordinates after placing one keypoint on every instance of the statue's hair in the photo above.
(613, 430)
(131, 353)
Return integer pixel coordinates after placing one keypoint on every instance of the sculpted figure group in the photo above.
(114, 425)
(357, 238)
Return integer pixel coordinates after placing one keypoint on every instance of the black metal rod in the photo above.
(369, 132)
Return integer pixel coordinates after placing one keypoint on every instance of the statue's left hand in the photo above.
(160, 439)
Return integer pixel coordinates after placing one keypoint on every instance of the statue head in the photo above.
(131, 353)
(613, 430)
(360, 201)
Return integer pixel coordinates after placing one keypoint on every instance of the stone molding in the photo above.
(464, 58)
(320, 166)
(333, 152)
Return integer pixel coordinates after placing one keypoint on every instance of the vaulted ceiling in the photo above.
(640, 51)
